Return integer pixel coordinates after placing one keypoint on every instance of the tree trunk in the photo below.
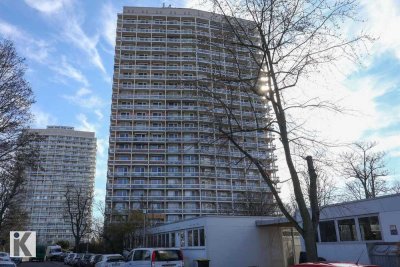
(310, 243)
(313, 192)
(77, 242)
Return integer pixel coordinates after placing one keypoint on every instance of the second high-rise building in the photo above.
(67, 158)
(164, 156)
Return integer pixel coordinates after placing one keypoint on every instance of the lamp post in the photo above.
(144, 227)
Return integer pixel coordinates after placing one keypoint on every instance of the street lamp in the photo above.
(144, 227)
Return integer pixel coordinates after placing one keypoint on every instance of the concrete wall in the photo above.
(390, 218)
(388, 210)
(236, 243)
(191, 254)
(231, 241)
(344, 252)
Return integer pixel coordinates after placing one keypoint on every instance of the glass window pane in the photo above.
(327, 231)
(190, 238)
(347, 230)
(173, 240)
(182, 237)
(167, 240)
(369, 228)
(202, 243)
(196, 238)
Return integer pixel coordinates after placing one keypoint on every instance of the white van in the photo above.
(52, 253)
(155, 257)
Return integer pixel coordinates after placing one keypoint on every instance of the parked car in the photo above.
(110, 260)
(76, 259)
(52, 253)
(84, 261)
(63, 256)
(69, 258)
(155, 257)
(95, 259)
(332, 264)
(16, 260)
(4, 256)
(7, 263)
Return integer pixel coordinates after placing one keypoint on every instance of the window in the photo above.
(182, 238)
(190, 238)
(141, 255)
(139, 169)
(327, 231)
(196, 238)
(172, 239)
(156, 169)
(369, 228)
(201, 233)
(347, 230)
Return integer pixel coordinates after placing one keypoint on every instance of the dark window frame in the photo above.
(347, 230)
(372, 233)
(327, 226)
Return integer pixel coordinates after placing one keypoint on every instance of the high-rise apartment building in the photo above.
(66, 158)
(164, 155)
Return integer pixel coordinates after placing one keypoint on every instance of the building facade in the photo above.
(364, 231)
(233, 241)
(67, 158)
(165, 156)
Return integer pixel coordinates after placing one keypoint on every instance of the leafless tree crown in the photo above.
(365, 169)
(18, 147)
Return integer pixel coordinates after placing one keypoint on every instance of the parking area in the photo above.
(41, 264)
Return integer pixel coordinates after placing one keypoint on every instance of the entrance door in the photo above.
(291, 246)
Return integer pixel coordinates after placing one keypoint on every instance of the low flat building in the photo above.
(232, 241)
(366, 231)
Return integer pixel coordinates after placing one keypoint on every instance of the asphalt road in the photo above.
(41, 264)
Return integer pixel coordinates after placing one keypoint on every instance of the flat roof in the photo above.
(362, 200)
(344, 209)
(281, 221)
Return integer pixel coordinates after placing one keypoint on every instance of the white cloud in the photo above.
(67, 15)
(74, 33)
(47, 6)
(41, 118)
(102, 145)
(109, 23)
(31, 48)
(84, 124)
(69, 71)
(99, 114)
(99, 194)
(383, 20)
(85, 99)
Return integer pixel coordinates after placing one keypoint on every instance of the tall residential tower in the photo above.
(163, 153)
(67, 158)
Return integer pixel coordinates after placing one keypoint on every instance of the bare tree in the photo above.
(124, 231)
(255, 203)
(327, 190)
(365, 169)
(18, 147)
(395, 189)
(77, 212)
(283, 43)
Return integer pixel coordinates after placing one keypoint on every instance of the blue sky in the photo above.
(69, 47)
